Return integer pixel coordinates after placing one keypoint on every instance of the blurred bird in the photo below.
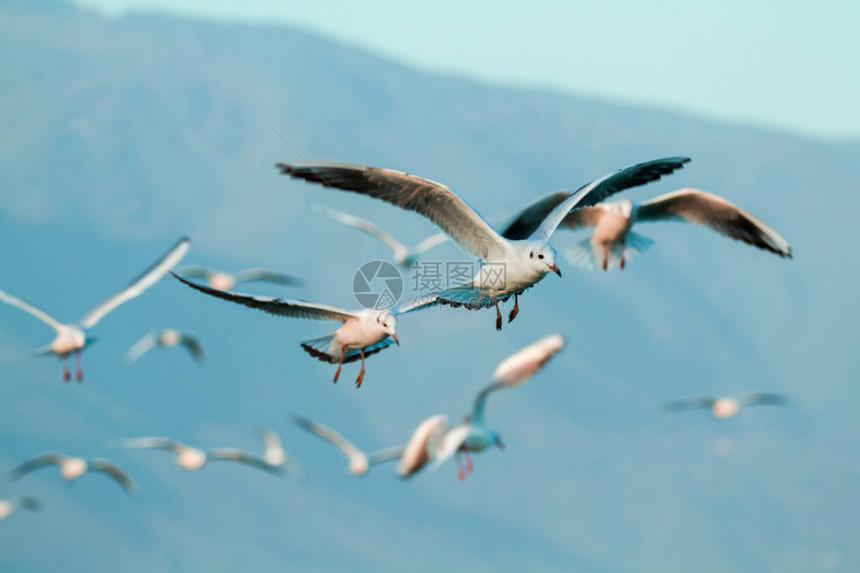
(364, 332)
(510, 266)
(726, 407)
(191, 459)
(167, 338)
(274, 454)
(472, 435)
(359, 462)
(423, 445)
(225, 281)
(71, 338)
(73, 468)
(403, 255)
(613, 241)
(9, 506)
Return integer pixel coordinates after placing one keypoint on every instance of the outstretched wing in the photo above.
(277, 306)
(528, 361)
(425, 442)
(363, 224)
(140, 284)
(714, 212)
(194, 272)
(601, 188)
(452, 442)
(152, 444)
(190, 342)
(40, 461)
(688, 404)
(242, 457)
(32, 310)
(26, 502)
(385, 455)
(761, 399)
(141, 347)
(257, 274)
(329, 435)
(101, 465)
(432, 200)
(429, 243)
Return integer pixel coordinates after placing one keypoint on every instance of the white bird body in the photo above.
(72, 338)
(9, 506)
(192, 459)
(73, 468)
(510, 265)
(725, 407)
(423, 446)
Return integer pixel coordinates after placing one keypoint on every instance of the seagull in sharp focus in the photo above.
(167, 338)
(192, 459)
(725, 407)
(472, 435)
(363, 332)
(71, 338)
(72, 468)
(359, 462)
(11, 505)
(227, 281)
(613, 242)
(509, 266)
(403, 255)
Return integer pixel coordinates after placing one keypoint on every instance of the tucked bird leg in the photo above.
(622, 254)
(361, 373)
(339, 364)
(498, 316)
(469, 466)
(79, 370)
(461, 475)
(605, 257)
(515, 310)
(66, 375)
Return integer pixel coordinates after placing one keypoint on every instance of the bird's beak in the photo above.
(397, 342)
(555, 269)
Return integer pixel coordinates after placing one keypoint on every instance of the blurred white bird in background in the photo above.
(226, 281)
(13, 504)
(168, 338)
(725, 407)
(192, 459)
(72, 468)
(359, 463)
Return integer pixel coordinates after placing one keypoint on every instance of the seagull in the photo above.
(359, 462)
(73, 468)
(364, 332)
(472, 435)
(274, 454)
(191, 459)
(403, 255)
(613, 241)
(167, 338)
(509, 266)
(725, 407)
(9, 506)
(226, 281)
(71, 338)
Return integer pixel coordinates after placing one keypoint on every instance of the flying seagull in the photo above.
(274, 454)
(613, 242)
(509, 266)
(472, 435)
(359, 462)
(167, 338)
(226, 281)
(9, 506)
(725, 407)
(192, 459)
(363, 332)
(71, 338)
(72, 468)
(403, 255)
(423, 446)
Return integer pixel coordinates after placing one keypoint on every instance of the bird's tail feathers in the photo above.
(322, 348)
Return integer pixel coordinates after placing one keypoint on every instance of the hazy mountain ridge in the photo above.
(121, 135)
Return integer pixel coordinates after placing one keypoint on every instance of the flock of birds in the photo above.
(522, 248)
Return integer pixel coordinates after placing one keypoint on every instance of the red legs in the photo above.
(461, 475)
(622, 255)
(79, 371)
(339, 364)
(516, 309)
(360, 374)
(66, 375)
(498, 317)
(469, 466)
(605, 257)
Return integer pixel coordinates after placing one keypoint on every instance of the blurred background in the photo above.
(129, 123)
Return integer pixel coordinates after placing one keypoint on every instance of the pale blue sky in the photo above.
(788, 64)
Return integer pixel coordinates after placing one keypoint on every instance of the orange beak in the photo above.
(397, 342)
(555, 269)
